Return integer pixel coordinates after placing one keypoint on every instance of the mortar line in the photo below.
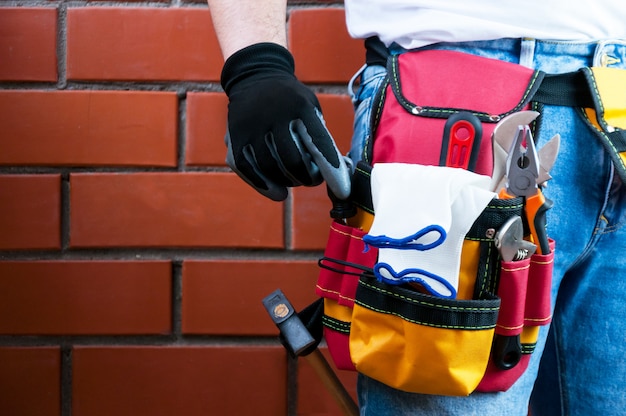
(65, 212)
(66, 380)
(288, 207)
(62, 46)
(181, 146)
(177, 295)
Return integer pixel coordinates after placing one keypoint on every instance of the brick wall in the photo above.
(132, 261)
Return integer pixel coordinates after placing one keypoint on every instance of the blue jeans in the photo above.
(578, 367)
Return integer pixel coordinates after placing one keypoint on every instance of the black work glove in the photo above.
(276, 134)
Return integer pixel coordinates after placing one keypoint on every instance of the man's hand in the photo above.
(276, 135)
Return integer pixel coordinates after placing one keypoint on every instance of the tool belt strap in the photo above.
(599, 93)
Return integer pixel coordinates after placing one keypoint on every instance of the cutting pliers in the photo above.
(522, 175)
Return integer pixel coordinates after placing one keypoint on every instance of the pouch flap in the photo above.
(437, 83)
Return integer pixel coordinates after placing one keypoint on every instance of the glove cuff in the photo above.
(255, 59)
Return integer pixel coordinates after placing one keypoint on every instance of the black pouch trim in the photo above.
(528, 348)
(361, 194)
(427, 310)
(497, 212)
(336, 325)
(378, 103)
(393, 72)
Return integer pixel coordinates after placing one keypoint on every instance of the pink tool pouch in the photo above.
(426, 87)
(423, 90)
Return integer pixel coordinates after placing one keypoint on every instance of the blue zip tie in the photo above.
(401, 278)
(409, 242)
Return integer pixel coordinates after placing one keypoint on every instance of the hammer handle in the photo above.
(332, 383)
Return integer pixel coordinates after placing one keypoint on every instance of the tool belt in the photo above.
(480, 339)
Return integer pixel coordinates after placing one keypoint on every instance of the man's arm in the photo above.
(241, 23)
(276, 136)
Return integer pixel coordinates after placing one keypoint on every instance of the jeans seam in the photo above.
(563, 393)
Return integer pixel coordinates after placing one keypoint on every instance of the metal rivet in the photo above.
(490, 233)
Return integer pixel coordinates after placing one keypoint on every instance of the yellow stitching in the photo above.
(538, 319)
(542, 263)
(510, 327)
(323, 289)
(424, 323)
(606, 138)
(346, 234)
(592, 78)
(506, 269)
(346, 298)
(518, 206)
(419, 302)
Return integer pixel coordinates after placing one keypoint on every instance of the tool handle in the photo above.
(332, 383)
(462, 134)
(536, 208)
(507, 351)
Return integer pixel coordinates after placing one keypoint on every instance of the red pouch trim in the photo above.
(329, 279)
(501, 380)
(512, 292)
(338, 347)
(538, 305)
(357, 254)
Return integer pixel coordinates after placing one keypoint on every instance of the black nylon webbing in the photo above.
(618, 138)
(427, 310)
(569, 89)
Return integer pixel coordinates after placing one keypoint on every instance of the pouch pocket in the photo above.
(525, 292)
(345, 259)
(507, 362)
(420, 343)
(538, 305)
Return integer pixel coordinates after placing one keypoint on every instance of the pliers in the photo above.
(522, 175)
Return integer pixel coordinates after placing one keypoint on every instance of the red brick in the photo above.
(28, 44)
(30, 381)
(215, 209)
(224, 296)
(141, 44)
(88, 128)
(322, 48)
(85, 297)
(314, 399)
(310, 219)
(206, 127)
(207, 119)
(30, 211)
(189, 381)
(339, 117)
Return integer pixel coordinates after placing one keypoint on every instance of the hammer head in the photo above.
(294, 334)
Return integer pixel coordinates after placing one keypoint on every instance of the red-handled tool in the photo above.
(461, 141)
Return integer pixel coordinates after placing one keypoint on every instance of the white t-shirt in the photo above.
(415, 23)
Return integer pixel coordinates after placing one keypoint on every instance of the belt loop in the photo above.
(607, 53)
(527, 52)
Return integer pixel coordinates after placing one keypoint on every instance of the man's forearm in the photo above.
(240, 23)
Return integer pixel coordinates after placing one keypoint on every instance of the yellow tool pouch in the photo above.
(416, 343)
